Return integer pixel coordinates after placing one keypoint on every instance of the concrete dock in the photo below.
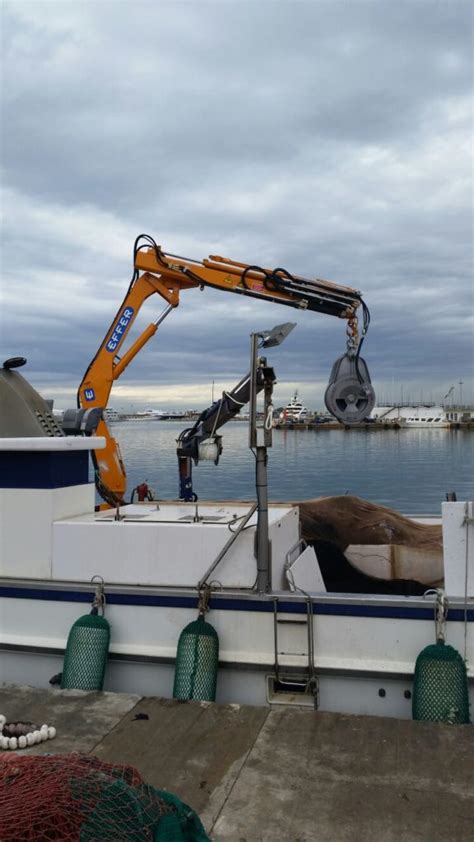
(254, 773)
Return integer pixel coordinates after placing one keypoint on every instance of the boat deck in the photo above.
(253, 773)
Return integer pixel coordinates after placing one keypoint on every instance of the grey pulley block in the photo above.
(350, 396)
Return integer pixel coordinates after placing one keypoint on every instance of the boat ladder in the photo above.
(301, 681)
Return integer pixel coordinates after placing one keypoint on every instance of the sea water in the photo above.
(407, 470)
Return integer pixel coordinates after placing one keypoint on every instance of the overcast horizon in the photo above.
(331, 138)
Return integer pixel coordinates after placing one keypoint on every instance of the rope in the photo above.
(217, 416)
(233, 399)
(269, 417)
(99, 598)
(221, 402)
(441, 614)
(204, 597)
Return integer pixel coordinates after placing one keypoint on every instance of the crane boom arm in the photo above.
(275, 285)
(156, 272)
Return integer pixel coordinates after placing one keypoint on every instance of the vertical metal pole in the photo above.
(263, 547)
(253, 391)
(258, 443)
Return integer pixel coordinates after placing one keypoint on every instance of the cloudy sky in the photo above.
(331, 138)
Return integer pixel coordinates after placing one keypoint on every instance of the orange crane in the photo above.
(166, 275)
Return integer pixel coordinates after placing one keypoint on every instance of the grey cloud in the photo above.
(331, 138)
(156, 102)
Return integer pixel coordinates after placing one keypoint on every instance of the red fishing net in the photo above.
(77, 797)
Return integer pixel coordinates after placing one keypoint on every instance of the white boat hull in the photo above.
(290, 643)
(364, 648)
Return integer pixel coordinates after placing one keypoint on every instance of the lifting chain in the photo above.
(352, 332)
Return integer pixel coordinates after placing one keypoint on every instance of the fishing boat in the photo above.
(294, 412)
(298, 623)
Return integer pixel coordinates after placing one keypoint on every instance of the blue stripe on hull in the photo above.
(234, 603)
(43, 469)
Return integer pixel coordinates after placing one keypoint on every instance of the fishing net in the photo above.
(350, 520)
(77, 797)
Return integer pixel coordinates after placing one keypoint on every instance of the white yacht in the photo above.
(111, 415)
(146, 415)
(294, 412)
(413, 415)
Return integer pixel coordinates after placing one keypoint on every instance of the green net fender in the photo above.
(440, 691)
(86, 654)
(197, 659)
